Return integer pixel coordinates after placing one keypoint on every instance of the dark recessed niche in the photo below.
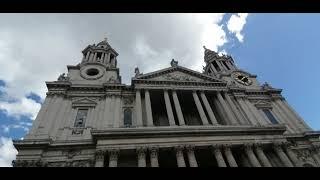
(92, 72)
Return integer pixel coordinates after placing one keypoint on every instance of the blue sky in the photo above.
(280, 49)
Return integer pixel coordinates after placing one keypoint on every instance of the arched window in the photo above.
(127, 115)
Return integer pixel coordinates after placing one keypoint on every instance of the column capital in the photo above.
(227, 146)
(216, 147)
(179, 147)
(142, 149)
(154, 152)
(190, 148)
(114, 153)
(99, 154)
(248, 146)
(277, 146)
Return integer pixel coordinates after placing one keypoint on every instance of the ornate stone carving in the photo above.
(112, 79)
(62, 77)
(127, 100)
(154, 152)
(266, 86)
(304, 154)
(28, 163)
(178, 77)
(77, 131)
(99, 154)
(113, 154)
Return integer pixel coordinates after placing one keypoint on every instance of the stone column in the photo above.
(218, 155)
(91, 56)
(87, 56)
(252, 157)
(191, 157)
(138, 108)
(234, 109)
(278, 149)
(102, 57)
(230, 65)
(208, 108)
(246, 111)
(315, 153)
(285, 117)
(154, 157)
(180, 158)
(141, 157)
(178, 108)
(254, 110)
(200, 109)
(169, 108)
(99, 158)
(228, 153)
(213, 68)
(262, 157)
(148, 108)
(113, 157)
(95, 57)
(292, 155)
(280, 118)
(226, 109)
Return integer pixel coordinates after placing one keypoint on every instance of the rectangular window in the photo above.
(81, 118)
(270, 116)
(127, 117)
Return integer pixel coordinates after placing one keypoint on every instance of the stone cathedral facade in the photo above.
(173, 117)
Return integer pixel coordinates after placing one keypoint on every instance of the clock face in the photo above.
(242, 78)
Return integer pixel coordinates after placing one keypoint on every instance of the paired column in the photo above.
(141, 157)
(247, 111)
(252, 157)
(208, 108)
(228, 153)
(113, 158)
(278, 149)
(229, 114)
(218, 155)
(179, 154)
(292, 155)
(138, 109)
(178, 108)
(148, 108)
(200, 109)
(235, 110)
(169, 108)
(191, 156)
(255, 112)
(99, 158)
(262, 157)
(154, 157)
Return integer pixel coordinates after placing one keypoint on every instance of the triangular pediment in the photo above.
(177, 73)
(84, 102)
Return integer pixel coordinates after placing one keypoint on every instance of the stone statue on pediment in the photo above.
(174, 63)
(62, 77)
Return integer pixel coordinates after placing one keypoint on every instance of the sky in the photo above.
(280, 49)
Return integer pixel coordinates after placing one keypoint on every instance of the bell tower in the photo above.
(216, 64)
(98, 66)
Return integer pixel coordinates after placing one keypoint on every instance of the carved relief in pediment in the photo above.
(178, 76)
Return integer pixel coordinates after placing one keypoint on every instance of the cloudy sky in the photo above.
(280, 48)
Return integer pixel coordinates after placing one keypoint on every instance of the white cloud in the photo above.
(7, 152)
(236, 24)
(35, 48)
(25, 106)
